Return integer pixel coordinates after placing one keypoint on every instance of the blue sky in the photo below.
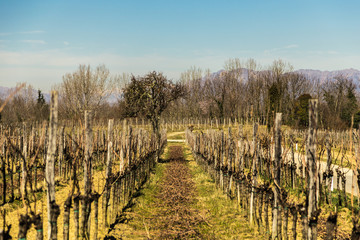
(40, 41)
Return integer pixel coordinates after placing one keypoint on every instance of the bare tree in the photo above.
(224, 88)
(339, 102)
(85, 89)
(192, 80)
(21, 107)
(297, 85)
(254, 90)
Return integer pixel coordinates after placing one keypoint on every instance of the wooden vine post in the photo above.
(276, 175)
(311, 158)
(254, 176)
(108, 171)
(86, 199)
(53, 208)
(329, 173)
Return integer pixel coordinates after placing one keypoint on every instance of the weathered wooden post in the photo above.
(293, 164)
(53, 208)
(24, 226)
(230, 160)
(38, 224)
(222, 155)
(294, 214)
(329, 172)
(108, 171)
(96, 197)
(331, 226)
(312, 213)
(61, 152)
(86, 200)
(254, 175)
(3, 170)
(76, 200)
(276, 174)
(67, 206)
(24, 172)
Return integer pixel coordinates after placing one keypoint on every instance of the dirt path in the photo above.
(169, 213)
(177, 218)
(181, 202)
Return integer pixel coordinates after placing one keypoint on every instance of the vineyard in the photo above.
(85, 170)
(159, 120)
(286, 189)
(80, 180)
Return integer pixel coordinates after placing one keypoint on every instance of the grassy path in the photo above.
(181, 202)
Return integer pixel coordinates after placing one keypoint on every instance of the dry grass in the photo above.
(224, 218)
(12, 216)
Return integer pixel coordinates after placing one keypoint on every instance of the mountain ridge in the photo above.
(351, 73)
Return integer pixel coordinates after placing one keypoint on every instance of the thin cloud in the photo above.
(328, 52)
(32, 32)
(66, 43)
(281, 48)
(34, 41)
(23, 32)
(291, 46)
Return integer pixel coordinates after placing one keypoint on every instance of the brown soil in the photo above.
(177, 219)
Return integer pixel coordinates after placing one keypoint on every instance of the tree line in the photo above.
(242, 91)
(247, 91)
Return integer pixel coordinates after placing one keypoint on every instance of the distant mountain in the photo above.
(351, 73)
(5, 91)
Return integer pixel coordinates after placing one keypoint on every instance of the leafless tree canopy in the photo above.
(242, 90)
(85, 89)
